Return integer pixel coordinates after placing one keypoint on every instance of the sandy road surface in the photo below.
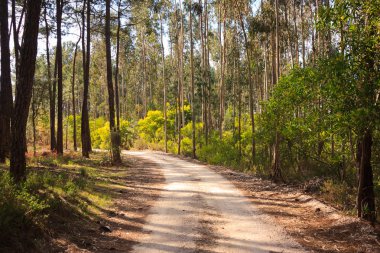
(201, 211)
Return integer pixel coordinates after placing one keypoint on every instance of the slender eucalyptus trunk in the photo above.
(34, 115)
(117, 67)
(164, 84)
(85, 129)
(276, 167)
(51, 93)
(59, 79)
(251, 112)
(192, 82)
(114, 133)
(303, 34)
(73, 95)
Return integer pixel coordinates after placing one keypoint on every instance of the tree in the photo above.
(251, 111)
(117, 65)
(24, 86)
(52, 85)
(73, 95)
(114, 132)
(6, 97)
(85, 129)
(192, 80)
(164, 83)
(59, 7)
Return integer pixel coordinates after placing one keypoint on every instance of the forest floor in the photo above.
(132, 187)
(106, 213)
(156, 202)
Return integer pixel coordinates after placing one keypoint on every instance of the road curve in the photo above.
(201, 211)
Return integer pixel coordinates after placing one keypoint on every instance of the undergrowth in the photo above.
(56, 187)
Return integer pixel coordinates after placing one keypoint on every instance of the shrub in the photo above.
(339, 193)
(220, 152)
(100, 134)
(20, 207)
(140, 144)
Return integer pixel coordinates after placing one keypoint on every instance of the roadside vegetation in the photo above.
(58, 189)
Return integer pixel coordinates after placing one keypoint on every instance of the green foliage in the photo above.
(20, 207)
(151, 127)
(100, 134)
(220, 151)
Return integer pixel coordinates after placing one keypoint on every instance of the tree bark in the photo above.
(164, 84)
(59, 80)
(278, 65)
(73, 95)
(114, 133)
(85, 129)
(15, 36)
(366, 196)
(296, 32)
(24, 86)
(253, 150)
(303, 34)
(117, 67)
(192, 82)
(6, 97)
(276, 167)
(34, 115)
(51, 93)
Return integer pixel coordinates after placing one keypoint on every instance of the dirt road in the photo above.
(200, 211)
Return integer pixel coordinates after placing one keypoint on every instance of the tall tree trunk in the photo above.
(60, 79)
(53, 107)
(290, 46)
(203, 34)
(24, 86)
(182, 46)
(145, 99)
(179, 75)
(276, 167)
(85, 129)
(179, 118)
(277, 175)
(117, 67)
(192, 82)
(73, 95)
(366, 196)
(251, 113)
(51, 93)
(164, 84)
(220, 123)
(15, 36)
(296, 32)
(239, 110)
(328, 35)
(34, 115)
(115, 136)
(67, 125)
(6, 97)
(303, 34)
(278, 65)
